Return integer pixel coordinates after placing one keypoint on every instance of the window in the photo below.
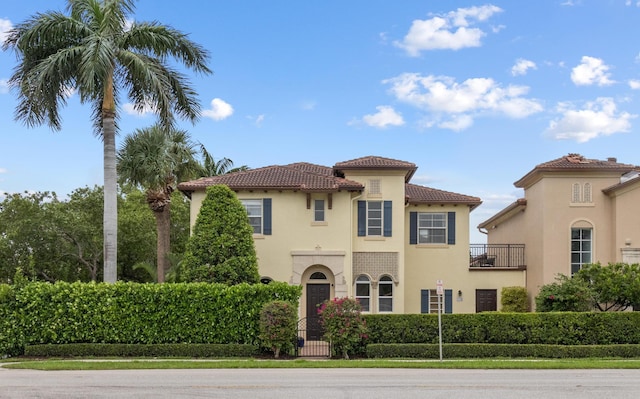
(259, 212)
(575, 193)
(580, 248)
(432, 228)
(374, 218)
(385, 294)
(254, 210)
(318, 210)
(429, 301)
(586, 197)
(363, 292)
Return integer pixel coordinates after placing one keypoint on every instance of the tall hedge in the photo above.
(61, 313)
(221, 248)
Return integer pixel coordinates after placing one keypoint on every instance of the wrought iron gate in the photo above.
(310, 343)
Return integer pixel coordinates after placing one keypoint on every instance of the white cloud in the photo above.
(3, 170)
(634, 84)
(4, 86)
(5, 27)
(591, 71)
(462, 101)
(130, 109)
(522, 66)
(219, 110)
(596, 118)
(386, 116)
(450, 31)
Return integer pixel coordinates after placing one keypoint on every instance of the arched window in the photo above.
(586, 194)
(363, 292)
(385, 294)
(575, 192)
(318, 276)
(581, 245)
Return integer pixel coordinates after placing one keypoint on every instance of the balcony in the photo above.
(496, 257)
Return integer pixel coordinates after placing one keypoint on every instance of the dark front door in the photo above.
(486, 301)
(316, 294)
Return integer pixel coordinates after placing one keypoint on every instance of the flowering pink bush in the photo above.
(343, 325)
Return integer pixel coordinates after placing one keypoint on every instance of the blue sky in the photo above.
(475, 93)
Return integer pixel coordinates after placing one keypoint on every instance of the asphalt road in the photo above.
(322, 384)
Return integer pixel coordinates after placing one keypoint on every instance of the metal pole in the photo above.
(440, 324)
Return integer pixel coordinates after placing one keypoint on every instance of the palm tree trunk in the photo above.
(110, 186)
(163, 227)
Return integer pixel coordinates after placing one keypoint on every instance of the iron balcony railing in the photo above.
(497, 256)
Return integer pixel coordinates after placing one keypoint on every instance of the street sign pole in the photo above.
(440, 292)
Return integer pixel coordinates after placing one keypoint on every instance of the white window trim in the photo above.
(445, 228)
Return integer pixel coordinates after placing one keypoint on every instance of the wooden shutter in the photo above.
(451, 228)
(266, 215)
(362, 218)
(424, 300)
(388, 221)
(413, 227)
(448, 301)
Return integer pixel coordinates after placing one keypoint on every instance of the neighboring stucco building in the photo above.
(361, 229)
(574, 211)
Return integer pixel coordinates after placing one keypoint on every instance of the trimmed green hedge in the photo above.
(465, 351)
(132, 313)
(141, 350)
(565, 328)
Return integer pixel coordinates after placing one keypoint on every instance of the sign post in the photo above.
(440, 293)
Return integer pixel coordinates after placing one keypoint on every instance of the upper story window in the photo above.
(581, 248)
(259, 212)
(318, 210)
(385, 294)
(363, 292)
(432, 228)
(374, 218)
(581, 193)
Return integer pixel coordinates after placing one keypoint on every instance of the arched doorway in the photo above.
(318, 282)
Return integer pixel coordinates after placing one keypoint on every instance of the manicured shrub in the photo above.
(221, 248)
(343, 325)
(566, 294)
(141, 350)
(278, 326)
(513, 299)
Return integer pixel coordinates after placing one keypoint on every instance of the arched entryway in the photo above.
(318, 286)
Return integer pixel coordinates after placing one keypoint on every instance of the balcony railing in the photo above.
(497, 256)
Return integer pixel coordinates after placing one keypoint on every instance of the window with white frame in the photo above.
(363, 292)
(581, 248)
(254, 210)
(318, 210)
(374, 218)
(385, 294)
(432, 228)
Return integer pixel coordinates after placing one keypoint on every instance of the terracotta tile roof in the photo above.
(425, 195)
(577, 163)
(300, 176)
(374, 162)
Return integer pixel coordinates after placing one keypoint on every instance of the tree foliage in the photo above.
(612, 287)
(513, 299)
(96, 52)
(221, 248)
(278, 326)
(343, 324)
(566, 294)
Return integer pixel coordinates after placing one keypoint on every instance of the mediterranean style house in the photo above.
(574, 211)
(361, 229)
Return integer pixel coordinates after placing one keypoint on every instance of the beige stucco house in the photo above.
(574, 211)
(361, 229)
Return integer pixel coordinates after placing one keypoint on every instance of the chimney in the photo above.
(612, 159)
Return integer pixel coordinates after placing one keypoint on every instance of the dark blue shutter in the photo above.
(387, 222)
(451, 228)
(362, 218)
(266, 214)
(413, 227)
(448, 304)
(424, 301)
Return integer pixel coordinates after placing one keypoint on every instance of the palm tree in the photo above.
(95, 52)
(211, 167)
(157, 159)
